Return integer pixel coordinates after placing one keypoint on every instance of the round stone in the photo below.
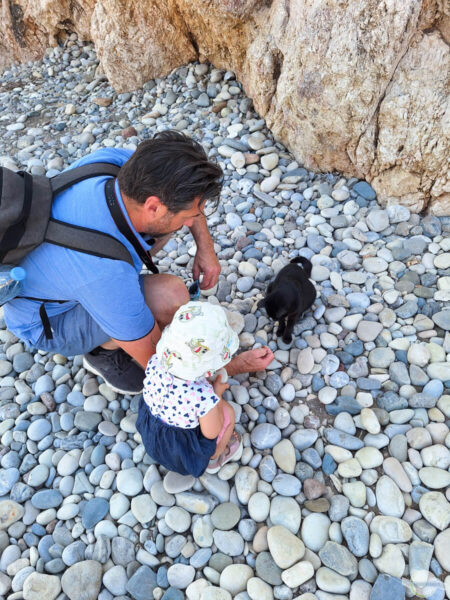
(180, 576)
(45, 499)
(391, 529)
(269, 184)
(390, 499)
(238, 160)
(93, 512)
(246, 481)
(39, 429)
(418, 355)
(434, 478)
(305, 361)
(265, 436)
(286, 485)
(391, 561)
(83, 580)
(315, 531)
(356, 534)
(118, 505)
(234, 578)
(177, 519)
(375, 265)
(129, 481)
(368, 331)
(377, 220)
(174, 483)
(369, 421)
(369, 457)
(69, 463)
(355, 492)
(327, 395)
(38, 586)
(258, 589)
(442, 319)
(38, 476)
(330, 581)
(143, 508)
(229, 542)
(298, 574)
(285, 511)
(284, 455)
(381, 358)
(247, 269)
(337, 557)
(115, 580)
(441, 549)
(269, 161)
(225, 516)
(285, 548)
(259, 507)
(107, 428)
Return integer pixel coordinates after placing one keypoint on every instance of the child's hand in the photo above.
(220, 387)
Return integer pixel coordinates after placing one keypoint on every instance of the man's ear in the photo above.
(154, 207)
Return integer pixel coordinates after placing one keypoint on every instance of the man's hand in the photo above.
(250, 361)
(206, 262)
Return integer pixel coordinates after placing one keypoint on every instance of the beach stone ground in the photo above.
(343, 488)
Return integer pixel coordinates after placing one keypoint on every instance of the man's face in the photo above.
(172, 222)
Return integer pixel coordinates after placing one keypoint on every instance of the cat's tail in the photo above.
(306, 264)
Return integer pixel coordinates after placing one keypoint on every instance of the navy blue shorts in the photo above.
(185, 451)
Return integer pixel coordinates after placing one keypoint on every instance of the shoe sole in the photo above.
(233, 458)
(91, 369)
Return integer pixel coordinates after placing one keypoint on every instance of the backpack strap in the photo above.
(83, 239)
(124, 228)
(43, 314)
(89, 241)
(66, 179)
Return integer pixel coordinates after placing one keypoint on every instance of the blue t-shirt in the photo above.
(108, 289)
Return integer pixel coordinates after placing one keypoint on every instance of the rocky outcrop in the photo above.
(357, 86)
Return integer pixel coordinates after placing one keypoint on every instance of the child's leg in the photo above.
(228, 427)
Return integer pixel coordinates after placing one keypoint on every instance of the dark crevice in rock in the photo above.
(17, 24)
(193, 41)
(277, 65)
(276, 60)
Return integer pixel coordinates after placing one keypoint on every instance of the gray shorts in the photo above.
(75, 332)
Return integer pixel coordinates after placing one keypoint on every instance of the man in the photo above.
(101, 307)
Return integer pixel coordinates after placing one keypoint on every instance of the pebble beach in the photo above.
(343, 488)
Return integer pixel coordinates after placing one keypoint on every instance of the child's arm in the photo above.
(211, 424)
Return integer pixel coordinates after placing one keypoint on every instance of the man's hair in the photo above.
(174, 168)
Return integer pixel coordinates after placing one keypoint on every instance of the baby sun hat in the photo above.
(197, 342)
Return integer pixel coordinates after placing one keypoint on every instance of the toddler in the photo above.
(185, 424)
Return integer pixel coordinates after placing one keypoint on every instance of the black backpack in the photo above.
(26, 222)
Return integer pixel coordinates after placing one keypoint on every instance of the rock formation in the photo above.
(357, 86)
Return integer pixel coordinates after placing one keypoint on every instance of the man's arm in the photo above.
(142, 349)
(205, 259)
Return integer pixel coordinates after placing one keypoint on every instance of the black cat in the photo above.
(289, 295)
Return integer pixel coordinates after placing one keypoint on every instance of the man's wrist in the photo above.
(200, 233)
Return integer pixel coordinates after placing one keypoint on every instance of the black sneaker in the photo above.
(117, 368)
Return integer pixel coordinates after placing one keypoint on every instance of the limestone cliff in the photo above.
(357, 86)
